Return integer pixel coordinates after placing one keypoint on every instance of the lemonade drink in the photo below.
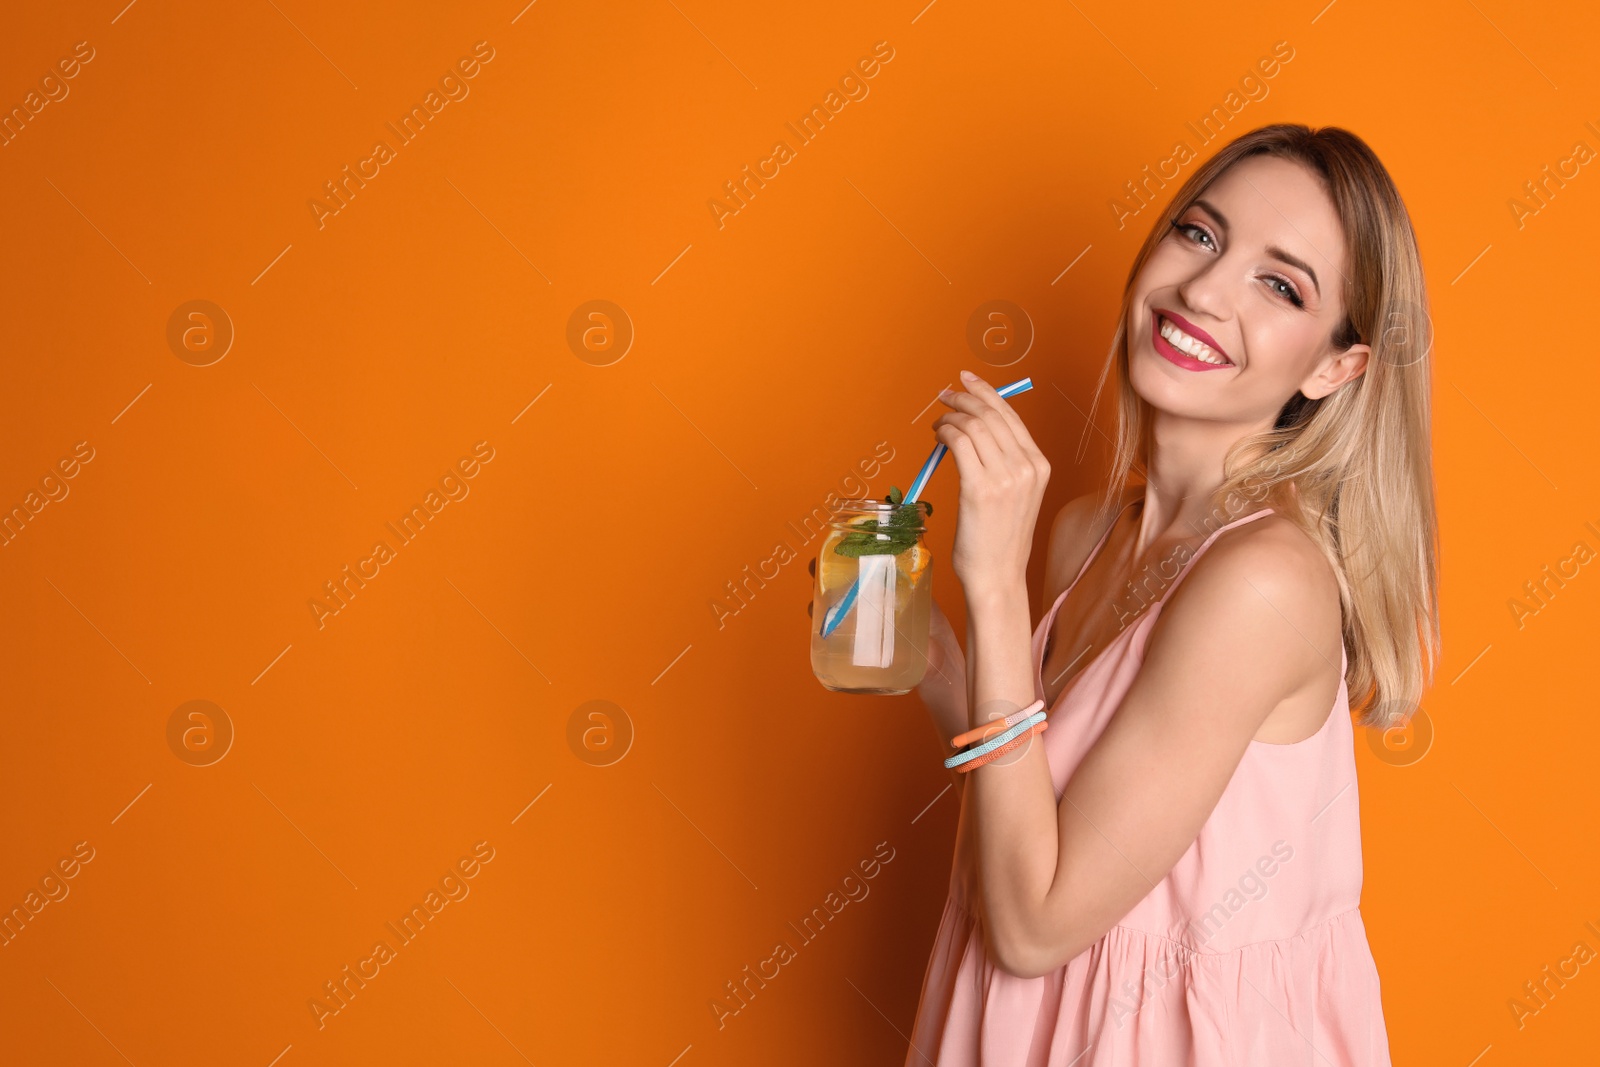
(881, 644)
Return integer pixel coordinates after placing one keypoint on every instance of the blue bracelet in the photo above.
(996, 741)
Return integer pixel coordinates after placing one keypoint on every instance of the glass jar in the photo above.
(872, 599)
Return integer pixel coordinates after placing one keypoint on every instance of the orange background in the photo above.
(771, 355)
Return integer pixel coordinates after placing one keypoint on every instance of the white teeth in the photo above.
(1188, 345)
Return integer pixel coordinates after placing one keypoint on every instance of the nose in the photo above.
(1208, 290)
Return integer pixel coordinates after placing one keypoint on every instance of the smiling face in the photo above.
(1235, 309)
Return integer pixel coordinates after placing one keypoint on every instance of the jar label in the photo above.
(874, 643)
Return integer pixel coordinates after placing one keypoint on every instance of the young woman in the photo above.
(1171, 872)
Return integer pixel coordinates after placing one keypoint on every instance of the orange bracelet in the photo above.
(996, 726)
(1007, 747)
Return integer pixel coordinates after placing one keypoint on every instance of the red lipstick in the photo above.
(1180, 358)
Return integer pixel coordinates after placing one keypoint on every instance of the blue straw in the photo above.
(835, 615)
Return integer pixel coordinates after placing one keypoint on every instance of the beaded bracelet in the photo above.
(987, 729)
(1037, 728)
(995, 742)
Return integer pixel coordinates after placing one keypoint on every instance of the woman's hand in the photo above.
(1003, 475)
(943, 688)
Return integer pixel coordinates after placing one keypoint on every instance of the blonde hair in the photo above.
(1352, 469)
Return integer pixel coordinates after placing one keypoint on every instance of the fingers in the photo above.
(942, 632)
(991, 451)
(990, 398)
(999, 452)
(1024, 458)
(960, 445)
(1003, 422)
(945, 656)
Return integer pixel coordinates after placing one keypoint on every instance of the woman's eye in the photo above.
(1288, 290)
(1200, 236)
(1189, 229)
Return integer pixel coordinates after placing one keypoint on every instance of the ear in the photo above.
(1335, 371)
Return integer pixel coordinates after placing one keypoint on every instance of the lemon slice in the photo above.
(912, 562)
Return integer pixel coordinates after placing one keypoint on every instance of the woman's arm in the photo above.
(1227, 649)
(944, 687)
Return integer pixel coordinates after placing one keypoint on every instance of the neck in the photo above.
(1184, 470)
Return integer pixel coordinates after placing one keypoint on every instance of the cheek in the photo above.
(1166, 267)
(1143, 299)
(1284, 352)
(1163, 272)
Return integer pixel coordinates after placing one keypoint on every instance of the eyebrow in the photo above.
(1272, 250)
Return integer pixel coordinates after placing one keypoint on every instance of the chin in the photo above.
(1160, 390)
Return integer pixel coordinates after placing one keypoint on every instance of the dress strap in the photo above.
(1184, 571)
(1049, 616)
(1093, 552)
(1042, 633)
(1098, 545)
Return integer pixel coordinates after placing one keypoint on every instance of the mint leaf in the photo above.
(874, 547)
(872, 537)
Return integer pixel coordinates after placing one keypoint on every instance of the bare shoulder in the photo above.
(1073, 533)
(1274, 555)
(1267, 573)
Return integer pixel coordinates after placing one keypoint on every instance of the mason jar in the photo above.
(872, 598)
